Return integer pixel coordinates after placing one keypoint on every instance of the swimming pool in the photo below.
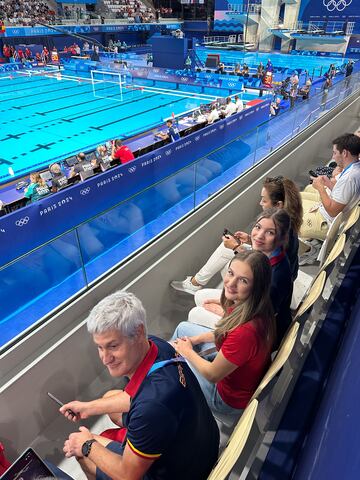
(315, 65)
(51, 116)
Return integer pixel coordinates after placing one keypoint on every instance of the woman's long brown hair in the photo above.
(258, 305)
(284, 190)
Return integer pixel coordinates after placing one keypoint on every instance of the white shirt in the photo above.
(230, 109)
(346, 190)
(239, 105)
(213, 115)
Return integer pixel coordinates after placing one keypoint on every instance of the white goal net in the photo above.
(109, 85)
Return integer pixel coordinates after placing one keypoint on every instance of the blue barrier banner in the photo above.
(229, 82)
(316, 53)
(86, 29)
(37, 223)
(76, 1)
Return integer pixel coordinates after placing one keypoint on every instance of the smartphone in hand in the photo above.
(226, 234)
(60, 403)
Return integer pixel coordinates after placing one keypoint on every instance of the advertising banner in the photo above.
(86, 29)
(37, 223)
(339, 11)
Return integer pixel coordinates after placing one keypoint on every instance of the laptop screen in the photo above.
(28, 466)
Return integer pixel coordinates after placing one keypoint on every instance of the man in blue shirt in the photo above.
(168, 430)
(172, 133)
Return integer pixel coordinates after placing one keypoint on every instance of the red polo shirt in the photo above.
(119, 434)
(124, 154)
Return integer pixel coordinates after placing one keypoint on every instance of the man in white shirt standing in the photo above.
(343, 196)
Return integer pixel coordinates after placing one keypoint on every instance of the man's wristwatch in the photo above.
(86, 448)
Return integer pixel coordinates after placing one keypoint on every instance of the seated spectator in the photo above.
(243, 336)
(239, 104)
(221, 68)
(277, 192)
(293, 94)
(121, 152)
(162, 409)
(343, 196)
(172, 133)
(82, 166)
(102, 156)
(237, 69)
(59, 180)
(245, 70)
(37, 188)
(213, 115)
(275, 107)
(229, 109)
(260, 70)
(304, 91)
(270, 236)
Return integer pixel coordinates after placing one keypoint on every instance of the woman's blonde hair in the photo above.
(257, 306)
(37, 179)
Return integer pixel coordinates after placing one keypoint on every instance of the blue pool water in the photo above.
(313, 64)
(48, 117)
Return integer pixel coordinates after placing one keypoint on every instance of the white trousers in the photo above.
(198, 314)
(216, 263)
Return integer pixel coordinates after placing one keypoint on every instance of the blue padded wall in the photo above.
(168, 51)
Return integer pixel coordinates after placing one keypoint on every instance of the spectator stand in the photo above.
(26, 12)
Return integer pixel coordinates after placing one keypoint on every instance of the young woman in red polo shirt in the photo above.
(244, 336)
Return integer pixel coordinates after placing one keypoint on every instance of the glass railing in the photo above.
(40, 282)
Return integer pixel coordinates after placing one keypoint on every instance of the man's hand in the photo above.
(73, 445)
(319, 183)
(80, 409)
(326, 181)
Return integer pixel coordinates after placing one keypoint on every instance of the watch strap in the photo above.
(86, 448)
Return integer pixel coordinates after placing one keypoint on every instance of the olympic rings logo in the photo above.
(22, 221)
(338, 5)
(132, 169)
(85, 191)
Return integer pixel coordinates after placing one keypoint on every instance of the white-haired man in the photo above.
(170, 431)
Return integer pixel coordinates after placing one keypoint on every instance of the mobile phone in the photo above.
(55, 399)
(59, 402)
(227, 232)
(313, 174)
